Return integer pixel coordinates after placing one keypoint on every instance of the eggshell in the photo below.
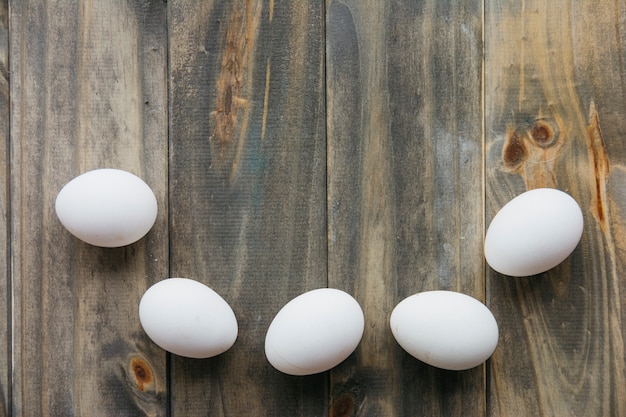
(314, 332)
(187, 318)
(533, 233)
(445, 329)
(107, 207)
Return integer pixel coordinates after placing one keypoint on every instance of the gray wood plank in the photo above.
(247, 188)
(5, 208)
(555, 98)
(88, 90)
(405, 189)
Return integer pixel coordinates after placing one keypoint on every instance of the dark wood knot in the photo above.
(514, 152)
(542, 134)
(141, 373)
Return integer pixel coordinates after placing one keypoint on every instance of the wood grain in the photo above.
(405, 205)
(357, 144)
(88, 90)
(5, 209)
(247, 188)
(554, 115)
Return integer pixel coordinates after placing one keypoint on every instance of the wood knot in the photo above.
(141, 373)
(542, 134)
(514, 152)
(343, 405)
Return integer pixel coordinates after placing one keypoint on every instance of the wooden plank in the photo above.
(88, 90)
(555, 96)
(247, 188)
(5, 237)
(405, 188)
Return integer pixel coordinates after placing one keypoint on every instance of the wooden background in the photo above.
(358, 144)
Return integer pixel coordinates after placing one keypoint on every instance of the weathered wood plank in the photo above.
(555, 96)
(247, 188)
(405, 188)
(5, 236)
(88, 90)
(248, 196)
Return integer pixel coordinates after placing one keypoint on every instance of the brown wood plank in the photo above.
(5, 237)
(405, 189)
(247, 188)
(558, 67)
(88, 90)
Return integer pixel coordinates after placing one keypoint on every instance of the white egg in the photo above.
(107, 207)
(314, 332)
(533, 233)
(187, 318)
(445, 329)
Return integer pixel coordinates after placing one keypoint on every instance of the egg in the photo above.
(533, 233)
(445, 329)
(107, 207)
(314, 332)
(187, 318)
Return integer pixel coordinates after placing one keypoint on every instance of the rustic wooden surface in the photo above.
(88, 89)
(404, 189)
(5, 237)
(554, 115)
(247, 188)
(362, 145)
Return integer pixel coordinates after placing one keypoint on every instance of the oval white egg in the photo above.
(445, 329)
(533, 233)
(107, 207)
(187, 318)
(314, 332)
